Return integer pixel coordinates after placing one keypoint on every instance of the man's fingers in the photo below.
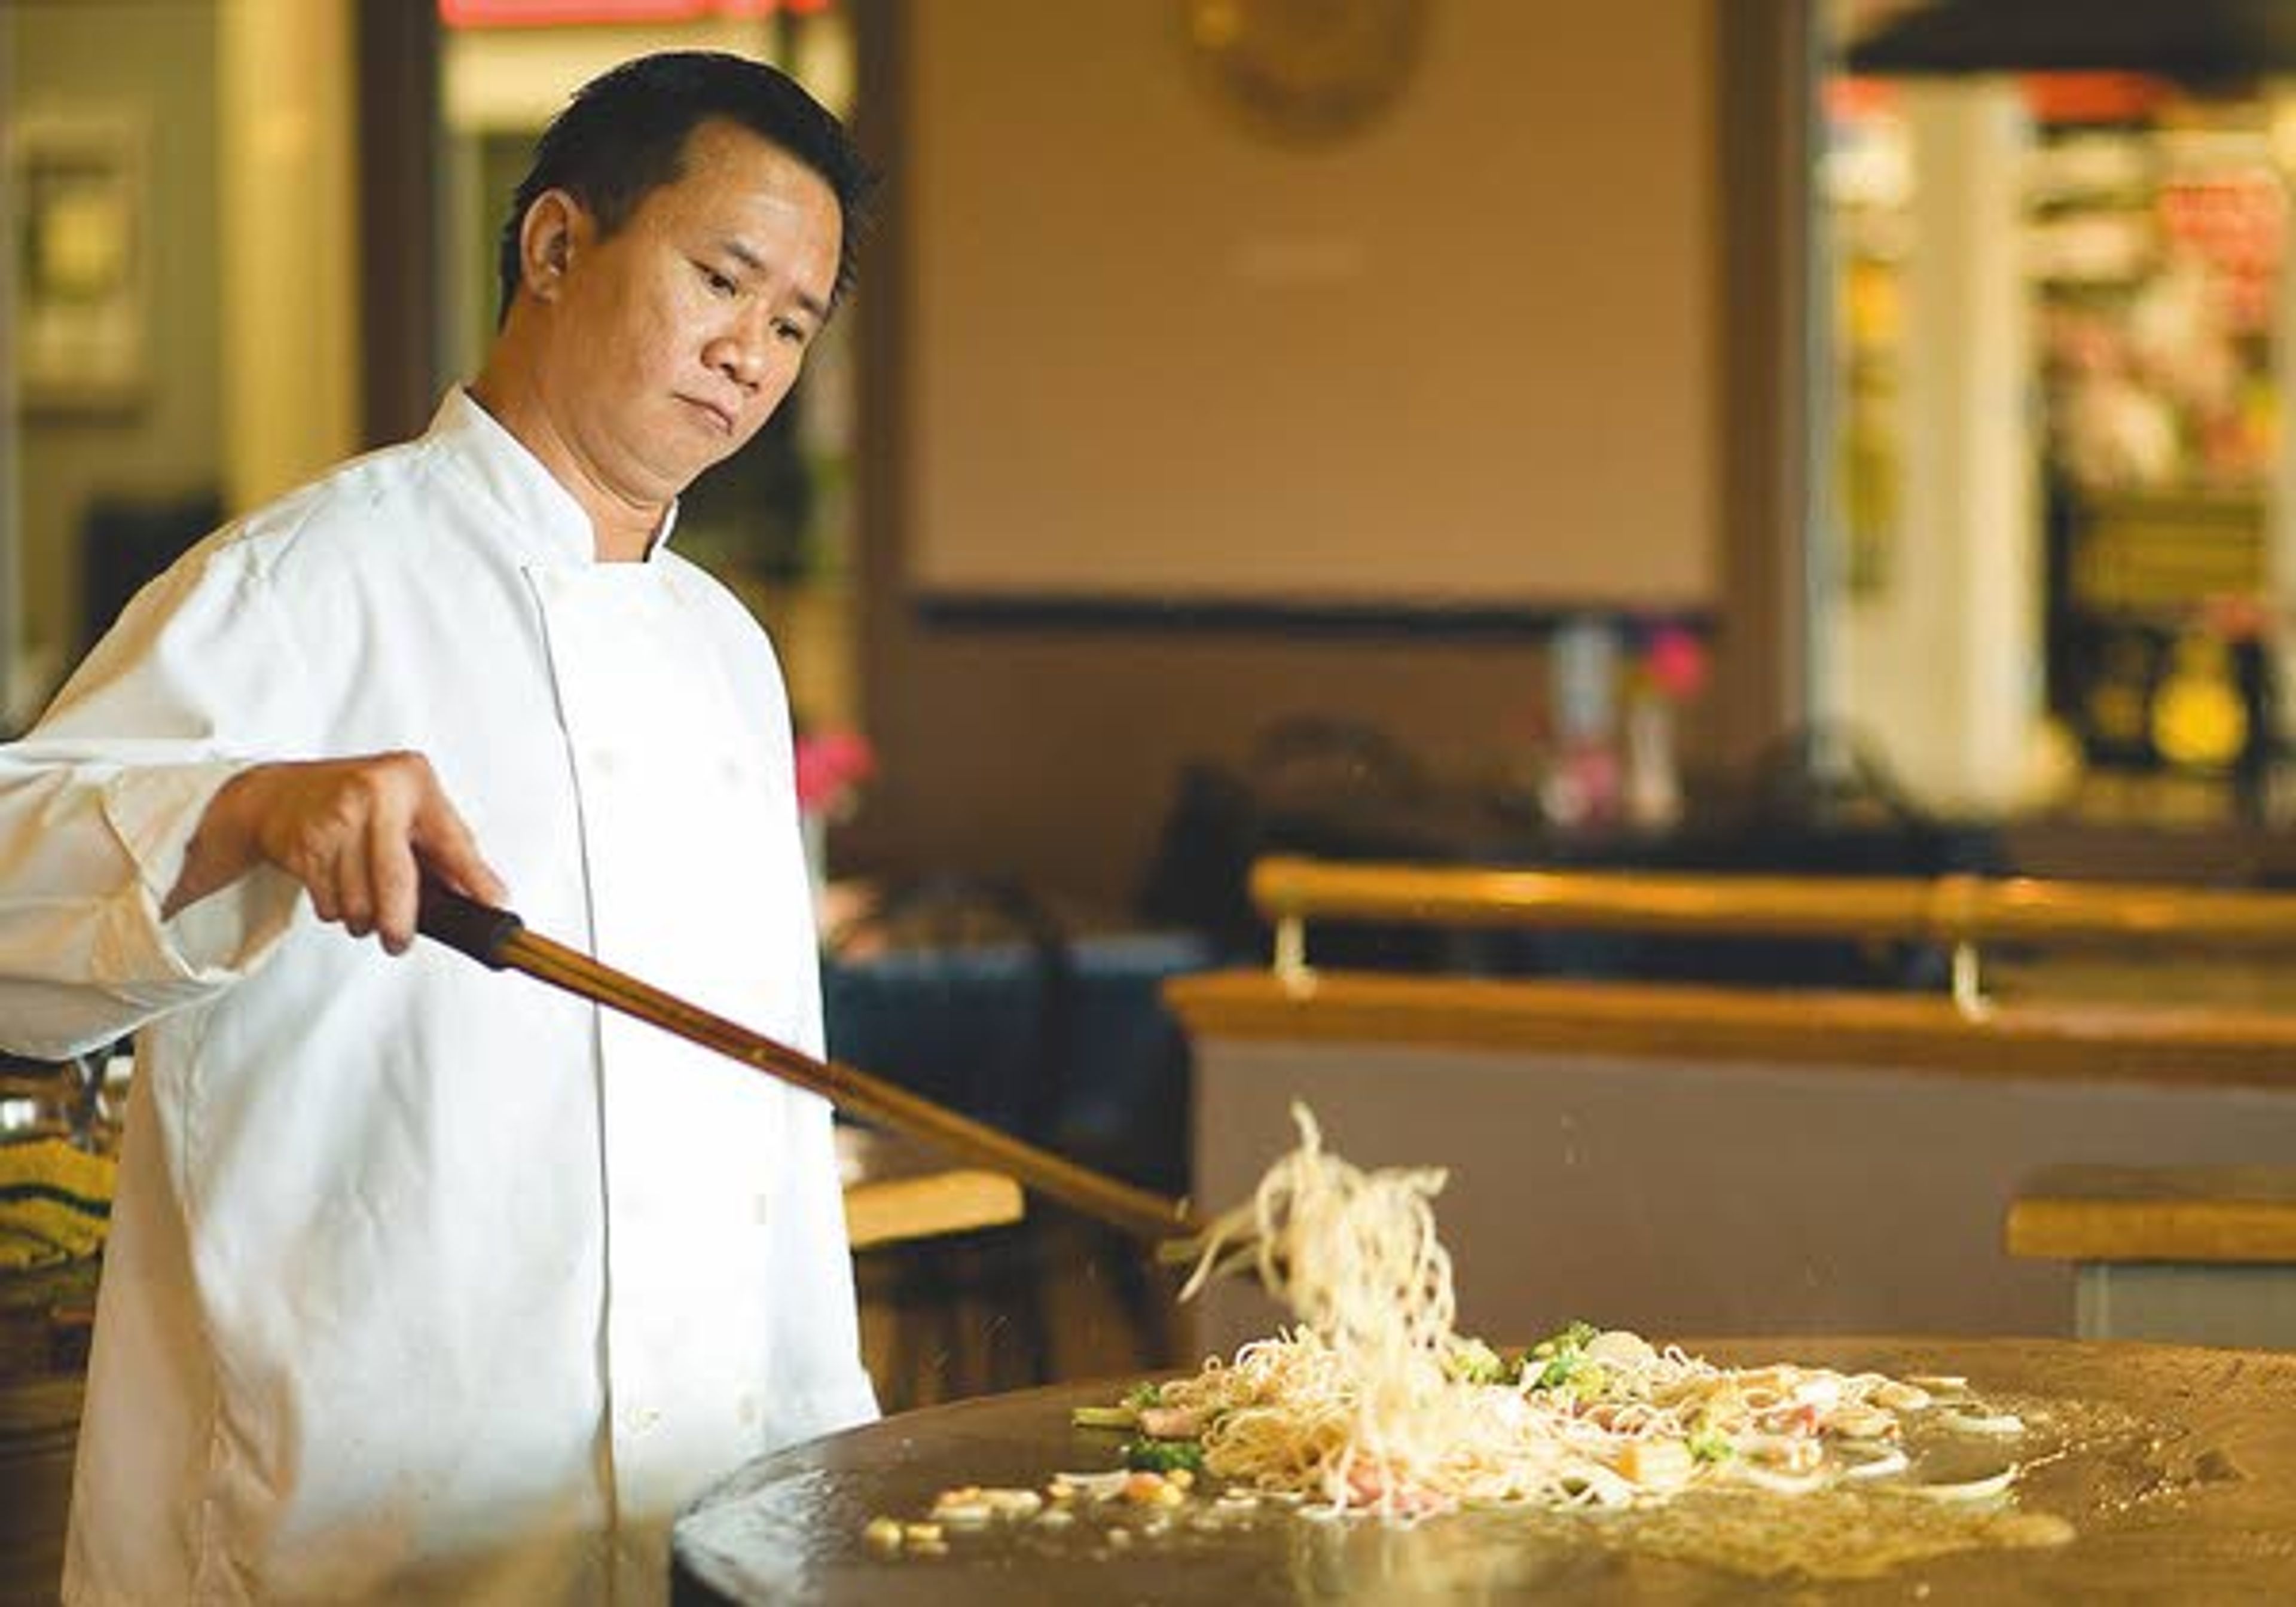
(321, 886)
(353, 893)
(397, 880)
(359, 835)
(450, 853)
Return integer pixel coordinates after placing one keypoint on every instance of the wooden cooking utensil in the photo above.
(498, 939)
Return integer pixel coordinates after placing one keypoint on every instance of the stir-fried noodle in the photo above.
(1373, 1401)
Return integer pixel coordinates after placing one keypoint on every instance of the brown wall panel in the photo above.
(1049, 745)
(1461, 354)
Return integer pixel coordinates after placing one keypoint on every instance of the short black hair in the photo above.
(624, 135)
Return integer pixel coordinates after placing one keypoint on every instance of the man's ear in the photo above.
(546, 241)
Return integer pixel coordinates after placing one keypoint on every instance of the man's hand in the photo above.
(358, 834)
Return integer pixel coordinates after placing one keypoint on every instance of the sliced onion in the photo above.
(2000, 1424)
(1823, 1390)
(1776, 1482)
(1591, 1484)
(1861, 1464)
(1860, 1423)
(1620, 1347)
(1969, 1490)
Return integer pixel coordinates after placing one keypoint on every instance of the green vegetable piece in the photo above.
(1558, 1372)
(1105, 1417)
(1707, 1446)
(1163, 1455)
(1473, 1362)
(1566, 1340)
(1144, 1395)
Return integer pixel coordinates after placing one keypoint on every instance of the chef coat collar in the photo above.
(545, 515)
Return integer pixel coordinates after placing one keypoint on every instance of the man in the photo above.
(424, 1283)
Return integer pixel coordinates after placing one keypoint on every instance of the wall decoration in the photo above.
(1304, 72)
(78, 231)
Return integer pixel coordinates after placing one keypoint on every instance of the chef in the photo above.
(427, 1285)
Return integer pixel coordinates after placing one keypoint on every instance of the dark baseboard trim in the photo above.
(1061, 611)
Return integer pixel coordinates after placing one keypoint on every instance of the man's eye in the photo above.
(791, 332)
(718, 284)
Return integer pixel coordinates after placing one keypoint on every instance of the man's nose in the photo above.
(739, 352)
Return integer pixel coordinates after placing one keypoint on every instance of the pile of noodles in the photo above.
(1367, 1403)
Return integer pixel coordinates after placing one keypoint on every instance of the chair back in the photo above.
(959, 987)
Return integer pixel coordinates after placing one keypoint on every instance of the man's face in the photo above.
(676, 337)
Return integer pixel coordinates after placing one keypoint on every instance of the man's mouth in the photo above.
(720, 418)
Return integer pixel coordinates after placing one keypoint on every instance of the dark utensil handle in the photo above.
(478, 929)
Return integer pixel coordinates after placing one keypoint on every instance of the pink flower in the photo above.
(831, 765)
(1675, 662)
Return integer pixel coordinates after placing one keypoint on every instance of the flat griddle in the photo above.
(2183, 1489)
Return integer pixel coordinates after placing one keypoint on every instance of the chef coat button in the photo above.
(602, 760)
(746, 1411)
(762, 1209)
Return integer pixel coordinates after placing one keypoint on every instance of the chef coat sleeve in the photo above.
(99, 803)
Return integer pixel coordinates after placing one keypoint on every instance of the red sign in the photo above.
(559, 13)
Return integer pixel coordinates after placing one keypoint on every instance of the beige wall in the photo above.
(1461, 355)
(242, 113)
(151, 68)
(1049, 747)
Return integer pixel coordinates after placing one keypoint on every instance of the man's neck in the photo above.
(622, 530)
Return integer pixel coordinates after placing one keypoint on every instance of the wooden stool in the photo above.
(2202, 1255)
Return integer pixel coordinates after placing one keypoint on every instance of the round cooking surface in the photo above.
(2176, 1469)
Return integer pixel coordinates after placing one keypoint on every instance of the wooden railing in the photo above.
(1963, 913)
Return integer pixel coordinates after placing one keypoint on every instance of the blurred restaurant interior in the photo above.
(1825, 440)
(1938, 413)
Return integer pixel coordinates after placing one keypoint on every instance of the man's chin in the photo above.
(709, 460)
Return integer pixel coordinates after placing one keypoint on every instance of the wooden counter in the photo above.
(2198, 1254)
(2237, 1215)
(897, 1190)
(2090, 1041)
(1686, 1158)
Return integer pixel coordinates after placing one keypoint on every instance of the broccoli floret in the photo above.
(1564, 1343)
(1163, 1455)
(1573, 1371)
(1554, 1372)
(1707, 1446)
(1472, 1362)
(1561, 1359)
(1144, 1395)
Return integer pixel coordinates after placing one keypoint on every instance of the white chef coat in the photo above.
(427, 1282)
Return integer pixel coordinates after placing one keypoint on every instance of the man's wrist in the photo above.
(222, 848)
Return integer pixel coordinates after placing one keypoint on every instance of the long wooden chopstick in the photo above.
(498, 939)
